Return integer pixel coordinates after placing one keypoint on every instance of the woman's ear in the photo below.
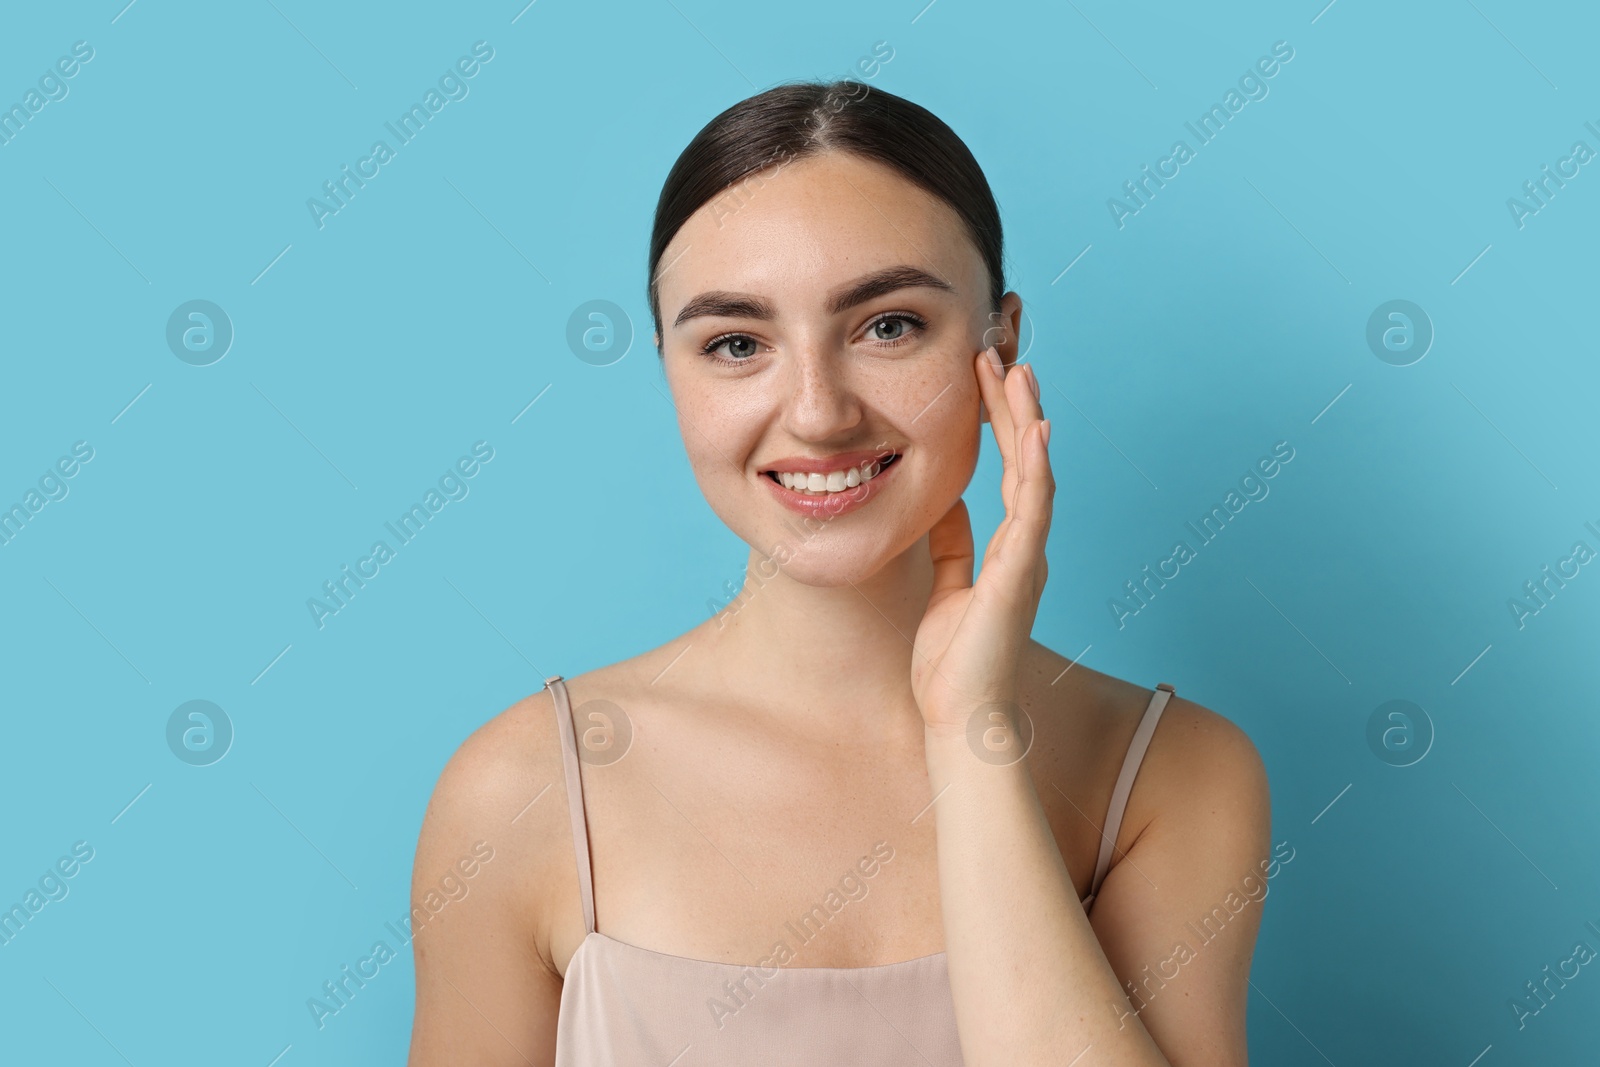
(1009, 321)
(1005, 326)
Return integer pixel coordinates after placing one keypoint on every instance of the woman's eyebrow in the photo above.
(868, 286)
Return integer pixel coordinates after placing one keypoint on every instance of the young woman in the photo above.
(859, 816)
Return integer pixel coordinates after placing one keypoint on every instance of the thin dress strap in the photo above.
(580, 829)
(1124, 786)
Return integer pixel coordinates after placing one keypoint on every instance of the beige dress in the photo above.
(626, 1005)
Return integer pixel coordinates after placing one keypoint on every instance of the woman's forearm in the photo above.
(1031, 985)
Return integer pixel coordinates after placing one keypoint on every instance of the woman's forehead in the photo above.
(802, 230)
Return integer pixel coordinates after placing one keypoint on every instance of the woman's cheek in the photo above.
(710, 466)
(963, 437)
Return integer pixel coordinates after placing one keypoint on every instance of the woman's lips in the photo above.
(832, 505)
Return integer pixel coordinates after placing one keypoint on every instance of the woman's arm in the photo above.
(1178, 915)
(1031, 983)
(485, 994)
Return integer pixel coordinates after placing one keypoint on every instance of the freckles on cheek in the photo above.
(708, 453)
(945, 389)
(940, 418)
(720, 426)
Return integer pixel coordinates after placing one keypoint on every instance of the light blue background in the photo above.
(1227, 315)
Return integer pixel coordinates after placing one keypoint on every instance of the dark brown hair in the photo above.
(800, 119)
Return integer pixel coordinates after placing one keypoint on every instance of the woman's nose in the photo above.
(819, 400)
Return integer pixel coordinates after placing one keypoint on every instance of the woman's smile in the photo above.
(830, 487)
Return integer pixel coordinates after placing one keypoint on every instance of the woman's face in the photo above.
(819, 316)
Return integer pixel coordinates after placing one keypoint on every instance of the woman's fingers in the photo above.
(992, 387)
(1013, 408)
(1014, 566)
(995, 381)
(1029, 522)
(1025, 415)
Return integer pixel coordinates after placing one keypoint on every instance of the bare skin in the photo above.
(774, 745)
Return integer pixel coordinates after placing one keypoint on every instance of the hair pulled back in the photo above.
(799, 119)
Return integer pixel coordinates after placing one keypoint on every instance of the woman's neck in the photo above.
(824, 655)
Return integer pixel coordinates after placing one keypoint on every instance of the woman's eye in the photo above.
(740, 347)
(891, 329)
(895, 327)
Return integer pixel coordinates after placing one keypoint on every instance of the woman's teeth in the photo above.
(834, 482)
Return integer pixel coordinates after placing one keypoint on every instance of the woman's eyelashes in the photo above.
(889, 330)
(905, 319)
(749, 344)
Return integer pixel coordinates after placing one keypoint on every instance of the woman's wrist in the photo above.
(973, 752)
(993, 733)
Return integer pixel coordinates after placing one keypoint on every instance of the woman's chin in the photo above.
(829, 557)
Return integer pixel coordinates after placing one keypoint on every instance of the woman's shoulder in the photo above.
(521, 744)
(510, 771)
(1196, 754)
(501, 757)
(498, 778)
(505, 786)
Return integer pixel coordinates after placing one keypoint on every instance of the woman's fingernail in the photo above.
(1033, 380)
(1044, 432)
(991, 357)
